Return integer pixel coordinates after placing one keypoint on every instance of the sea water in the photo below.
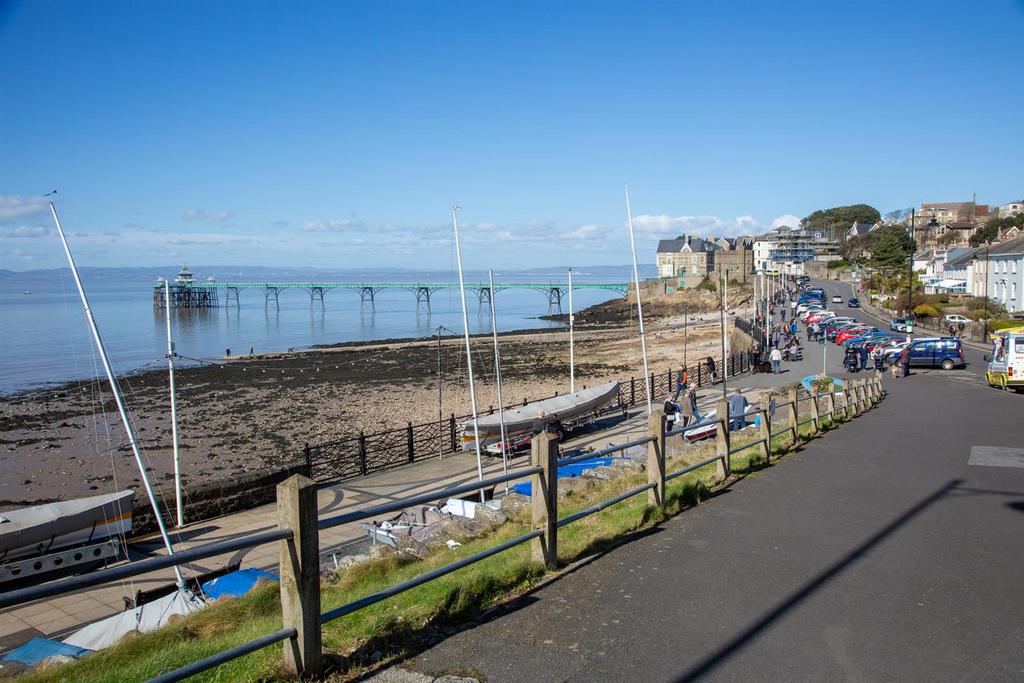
(44, 338)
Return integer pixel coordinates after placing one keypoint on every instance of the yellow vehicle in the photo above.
(1006, 364)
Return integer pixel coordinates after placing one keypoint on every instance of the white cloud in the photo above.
(787, 220)
(586, 233)
(329, 226)
(25, 232)
(14, 206)
(207, 216)
(703, 226)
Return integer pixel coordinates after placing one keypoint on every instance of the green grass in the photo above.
(403, 625)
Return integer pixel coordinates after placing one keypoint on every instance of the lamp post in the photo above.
(910, 263)
(988, 265)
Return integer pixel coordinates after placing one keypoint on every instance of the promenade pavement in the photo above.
(887, 550)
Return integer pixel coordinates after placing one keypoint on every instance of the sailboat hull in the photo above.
(568, 407)
(54, 526)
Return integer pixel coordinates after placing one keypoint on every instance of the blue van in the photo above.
(944, 352)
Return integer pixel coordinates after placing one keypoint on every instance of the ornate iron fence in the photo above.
(361, 454)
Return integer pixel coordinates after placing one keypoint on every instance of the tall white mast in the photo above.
(174, 409)
(469, 354)
(572, 347)
(725, 329)
(497, 376)
(639, 306)
(117, 394)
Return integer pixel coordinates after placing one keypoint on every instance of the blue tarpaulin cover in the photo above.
(574, 470)
(235, 584)
(38, 649)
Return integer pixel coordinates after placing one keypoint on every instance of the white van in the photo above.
(1006, 364)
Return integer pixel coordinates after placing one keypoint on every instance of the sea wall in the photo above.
(215, 498)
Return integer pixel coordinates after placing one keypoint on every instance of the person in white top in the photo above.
(776, 358)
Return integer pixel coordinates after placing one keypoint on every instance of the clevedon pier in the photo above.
(185, 292)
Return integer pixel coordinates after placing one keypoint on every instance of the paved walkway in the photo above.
(889, 550)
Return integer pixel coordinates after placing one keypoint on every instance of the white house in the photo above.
(1006, 276)
(1011, 209)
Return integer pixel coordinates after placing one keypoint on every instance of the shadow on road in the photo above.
(711, 662)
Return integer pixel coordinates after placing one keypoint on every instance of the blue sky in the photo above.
(338, 134)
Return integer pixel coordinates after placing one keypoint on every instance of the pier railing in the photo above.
(362, 453)
(299, 525)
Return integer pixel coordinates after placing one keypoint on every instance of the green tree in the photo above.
(840, 218)
(891, 248)
(988, 232)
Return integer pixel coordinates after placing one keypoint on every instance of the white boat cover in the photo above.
(66, 522)
(144, 619)
(566, 407)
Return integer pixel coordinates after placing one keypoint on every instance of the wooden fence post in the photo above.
(656, 459)
(830, 401)
(723, 466)
(300, 575)
(794, 414)
(815, 415)
(544, 499)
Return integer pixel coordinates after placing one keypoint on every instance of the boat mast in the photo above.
(469, 354)
(174, 409)
(639, 306)
(117, 394)
(497, 375)
(572, 348)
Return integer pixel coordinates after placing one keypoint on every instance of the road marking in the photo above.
(996, 456)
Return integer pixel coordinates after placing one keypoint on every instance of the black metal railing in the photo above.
(360, 454)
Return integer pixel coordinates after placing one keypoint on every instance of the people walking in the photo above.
(905, 361)
(776, 358)
(712, 370)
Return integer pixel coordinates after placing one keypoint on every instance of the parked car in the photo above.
(818, 317)
(854, 302)
(954, 319)
(944, 352)
(832, 332)
(837, 299)
(902, 325)
(852, 333)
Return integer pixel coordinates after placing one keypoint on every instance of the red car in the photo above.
(851, 333)
(818, 317)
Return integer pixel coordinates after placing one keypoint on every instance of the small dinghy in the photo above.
(43, 534)
(569, 408)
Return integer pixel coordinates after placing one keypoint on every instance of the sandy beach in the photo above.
(242, 414)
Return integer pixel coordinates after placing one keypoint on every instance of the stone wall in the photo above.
(215, 498)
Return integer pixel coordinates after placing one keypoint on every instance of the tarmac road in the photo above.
(888, 550)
